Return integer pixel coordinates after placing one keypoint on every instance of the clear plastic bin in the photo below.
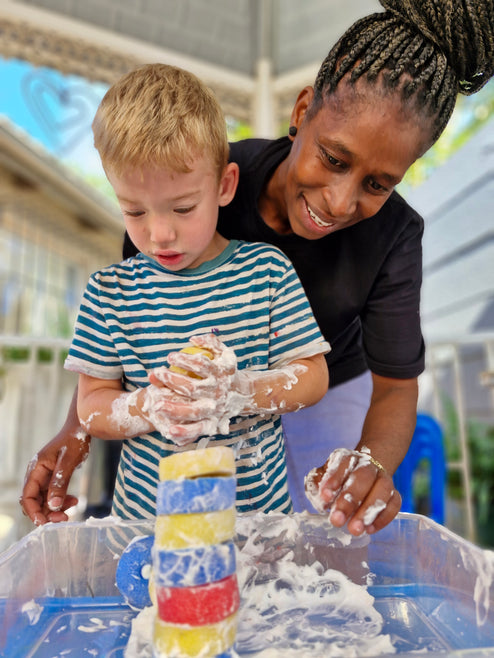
(307, 590)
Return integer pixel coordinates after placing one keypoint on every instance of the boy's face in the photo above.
(172, 216)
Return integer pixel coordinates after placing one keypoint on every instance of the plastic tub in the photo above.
(307, 590)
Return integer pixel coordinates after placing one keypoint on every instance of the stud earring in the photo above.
(292, 131)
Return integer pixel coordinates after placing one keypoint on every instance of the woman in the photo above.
(382, 97)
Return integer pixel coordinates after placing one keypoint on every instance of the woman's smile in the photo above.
(321, 223)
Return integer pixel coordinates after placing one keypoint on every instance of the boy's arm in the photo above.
(107, 411)
(299, 384)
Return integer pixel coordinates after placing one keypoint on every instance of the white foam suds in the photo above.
(123, 419)
(289, 600)
(81, 436)
(33, 611)
(141, 636)
(97, 625)
(482, 565)
(86, 423)
(314, 490)
(309, 606)
(372, 511)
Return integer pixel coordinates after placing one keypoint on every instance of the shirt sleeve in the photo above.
(294, 332)
(392, 336)
(93, 351)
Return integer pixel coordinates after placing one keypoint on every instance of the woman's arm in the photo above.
(44, 496)
(390, 420)
(365, 497)
(357, 490)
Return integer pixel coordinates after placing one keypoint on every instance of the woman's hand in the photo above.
(355, 489)
(44, 496)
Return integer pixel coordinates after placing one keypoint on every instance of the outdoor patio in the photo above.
(256, 55)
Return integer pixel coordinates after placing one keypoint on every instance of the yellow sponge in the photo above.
(217, 460)
(192, 530)
(192, 349)
(193, 641)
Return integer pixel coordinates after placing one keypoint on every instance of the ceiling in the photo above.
(255, 54)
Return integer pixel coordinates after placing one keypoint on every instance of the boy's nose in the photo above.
(161, 230)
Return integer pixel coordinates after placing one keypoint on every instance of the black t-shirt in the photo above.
(363, 282)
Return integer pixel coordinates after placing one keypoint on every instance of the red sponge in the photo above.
(196, 606)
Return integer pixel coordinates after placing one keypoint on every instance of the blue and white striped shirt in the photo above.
(136, 312)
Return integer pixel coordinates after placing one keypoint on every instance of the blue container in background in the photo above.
(427, 445)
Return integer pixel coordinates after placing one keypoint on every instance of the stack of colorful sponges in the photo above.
(194, 566)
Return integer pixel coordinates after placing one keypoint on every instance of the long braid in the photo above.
(428, 50)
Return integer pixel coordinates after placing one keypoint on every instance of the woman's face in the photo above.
(346, 159)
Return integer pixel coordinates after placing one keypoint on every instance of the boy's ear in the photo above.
(228, 183)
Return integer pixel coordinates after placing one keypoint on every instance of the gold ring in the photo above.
(377, 464)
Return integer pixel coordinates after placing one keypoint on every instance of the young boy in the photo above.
(162, 139)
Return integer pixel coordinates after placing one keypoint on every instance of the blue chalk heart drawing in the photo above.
(64, 109)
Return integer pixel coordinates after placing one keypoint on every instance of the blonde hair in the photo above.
(159, 116)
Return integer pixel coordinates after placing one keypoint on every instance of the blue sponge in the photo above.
(189, 567)
(193, 496)
(133, 571)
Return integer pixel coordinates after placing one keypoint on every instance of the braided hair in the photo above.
(427, 50)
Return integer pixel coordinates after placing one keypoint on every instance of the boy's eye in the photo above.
(133, 213)
(184, 210)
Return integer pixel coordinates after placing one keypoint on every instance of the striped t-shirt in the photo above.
(135, 313)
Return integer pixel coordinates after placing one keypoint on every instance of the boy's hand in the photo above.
(210, 399)
(355, 490)
(214, 377)
(44, 496)
(177, 418)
